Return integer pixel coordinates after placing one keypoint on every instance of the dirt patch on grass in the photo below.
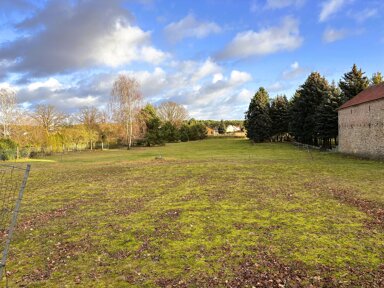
(41, 219)
(350, 197)
(264, 269)
(129, 207)
(61, 254)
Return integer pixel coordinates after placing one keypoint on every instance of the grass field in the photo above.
(212, 213)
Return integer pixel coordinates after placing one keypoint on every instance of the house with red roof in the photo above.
(361, 123)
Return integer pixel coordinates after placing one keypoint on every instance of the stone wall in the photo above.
(361, 129)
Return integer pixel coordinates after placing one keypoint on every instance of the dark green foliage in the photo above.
(304, 106)
(184, 133)
(352, 83)
(257, 119)
(153, 135)
(327, 117)
(221, 128)
(8, 149)
(197, 131)
(158, 133)
(279, 113)
(170, 132)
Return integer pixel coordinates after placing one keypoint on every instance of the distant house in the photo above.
(232, 129)
(361, 123)
(212, 132)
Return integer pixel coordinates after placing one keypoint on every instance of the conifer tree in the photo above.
(352, 83)
(279, 116)
(377, 78)
(221, 128)
(304, 106)
(257, 119)
(327, 116)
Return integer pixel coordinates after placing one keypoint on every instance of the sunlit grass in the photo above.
(128, 218)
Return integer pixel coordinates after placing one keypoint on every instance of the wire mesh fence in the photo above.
(13, 180)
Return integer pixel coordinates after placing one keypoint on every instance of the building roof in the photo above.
(370, 94)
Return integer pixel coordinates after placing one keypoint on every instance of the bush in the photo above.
(8, 149)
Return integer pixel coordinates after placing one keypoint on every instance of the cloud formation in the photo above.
(332, 35)
(188, 27)
(285, 37)
(295, 71)
(277, 4)
(329, 8)
(64, 37)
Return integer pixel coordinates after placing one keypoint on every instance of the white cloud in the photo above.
(64, 37)
(190, 27)
(205, 87)
(295, 71)
(217, 77)
(365, 14)
(238, 77)
(332, 35)
(207, 68)
(6, 85)
(329, 8)
(51, 83)
(285, 37)
(124, 45)
(277, 4)
(276, 87)
(244, 96)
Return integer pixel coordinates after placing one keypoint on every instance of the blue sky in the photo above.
(210, 56)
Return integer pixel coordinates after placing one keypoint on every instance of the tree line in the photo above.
(125, 122)
(311, 115)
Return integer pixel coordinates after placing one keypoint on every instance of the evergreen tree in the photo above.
(257, 119)
(279, 116)
(221, 128)
(377, 78)
(153, 134)
(304, 106)
(170, 132)
(327, 116)
(352, 83)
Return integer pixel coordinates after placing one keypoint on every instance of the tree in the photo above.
(352, 83)
(7, 110)
(221, 128)
(377, 78)
(279, 116)
(257, 119)
(125, 104)
(153, 134)
(304, 106)
(90, 118)
(170, 132)
(48, 117)
(172, 112)
(327, 117)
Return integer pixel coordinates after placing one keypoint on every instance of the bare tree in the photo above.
(125, 103)
(8, 110)
(172, 112)
(48, 117)
(90, 118)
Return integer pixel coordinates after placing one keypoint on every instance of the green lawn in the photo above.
(212, 213)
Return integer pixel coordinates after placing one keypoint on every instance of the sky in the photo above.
(209, 55)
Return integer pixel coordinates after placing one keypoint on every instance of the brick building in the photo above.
(361, 123)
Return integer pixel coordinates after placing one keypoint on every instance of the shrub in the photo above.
(8, 149)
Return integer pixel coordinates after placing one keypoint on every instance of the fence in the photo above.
(13, 180)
